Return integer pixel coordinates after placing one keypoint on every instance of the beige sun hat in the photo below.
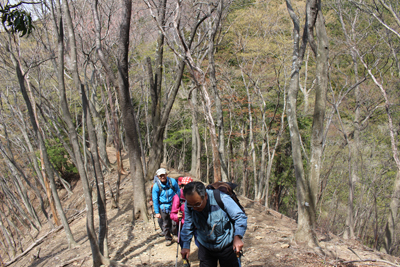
(161, 171)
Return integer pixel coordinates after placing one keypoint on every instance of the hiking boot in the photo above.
(161, 234)
(169, 242)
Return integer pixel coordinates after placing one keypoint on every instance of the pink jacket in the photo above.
(176, 206)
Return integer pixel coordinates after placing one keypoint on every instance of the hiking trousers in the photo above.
(168, 226)
(226, 257)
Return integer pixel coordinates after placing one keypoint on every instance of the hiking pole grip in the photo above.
(186, 262)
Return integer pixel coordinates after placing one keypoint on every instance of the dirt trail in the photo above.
(269, 240)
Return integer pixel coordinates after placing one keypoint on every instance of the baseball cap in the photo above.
(161, 171)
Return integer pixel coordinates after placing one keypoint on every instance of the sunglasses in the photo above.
(195, 206)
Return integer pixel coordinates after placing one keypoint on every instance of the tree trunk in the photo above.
(13, 202)
(9, 240)
(245, 161)
(101, 199)
(156, 149)
(110, 129)
(195, 132)
(213, 134)
(213, 30)
(98, 174)
(112, 80)
(271, 154)
(390, 229)
(117, 143)
(35, 164)
(306, 213)
(21, 189)
(207, 161)
(306, 93)
(165, 152)
(251, 141)
(128, 115)
(126, 108)
(317, 135)
(17, 231)
(99, 133)
(41, 173)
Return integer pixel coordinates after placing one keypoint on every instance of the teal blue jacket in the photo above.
(162, 199)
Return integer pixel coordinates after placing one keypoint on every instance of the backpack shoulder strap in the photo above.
(171, 186)
(158, 182)
(217, 196)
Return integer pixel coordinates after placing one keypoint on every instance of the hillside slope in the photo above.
(269, 240)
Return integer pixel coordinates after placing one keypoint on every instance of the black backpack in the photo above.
(227, 188)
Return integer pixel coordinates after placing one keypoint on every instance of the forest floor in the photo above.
(269, 240)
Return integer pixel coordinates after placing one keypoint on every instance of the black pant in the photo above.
(168, 226)
(226, 257)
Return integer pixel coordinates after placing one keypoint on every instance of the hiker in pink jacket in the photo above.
(178, 203)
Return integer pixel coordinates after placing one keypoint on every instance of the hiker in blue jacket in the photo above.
(163, 192)
(219, 231)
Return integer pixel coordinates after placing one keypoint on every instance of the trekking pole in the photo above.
(154, 222)
(239, 256)
(177, 245)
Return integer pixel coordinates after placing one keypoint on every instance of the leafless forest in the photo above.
(296, 102)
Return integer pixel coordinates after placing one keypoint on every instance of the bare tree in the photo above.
(101, 200)
(196, 141)
(40, 140)
(355, 143)
(129, 117)
(128, 114)
(321, 52)
(214, 27)
(98, 258)
(390, 237)
(386, 12)
(198, 75)
(308, 188)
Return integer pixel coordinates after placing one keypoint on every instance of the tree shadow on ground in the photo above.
(126, 208)
(127, 254)
(60, 249)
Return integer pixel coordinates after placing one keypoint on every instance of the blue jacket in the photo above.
(163, 200)
(215, 229)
